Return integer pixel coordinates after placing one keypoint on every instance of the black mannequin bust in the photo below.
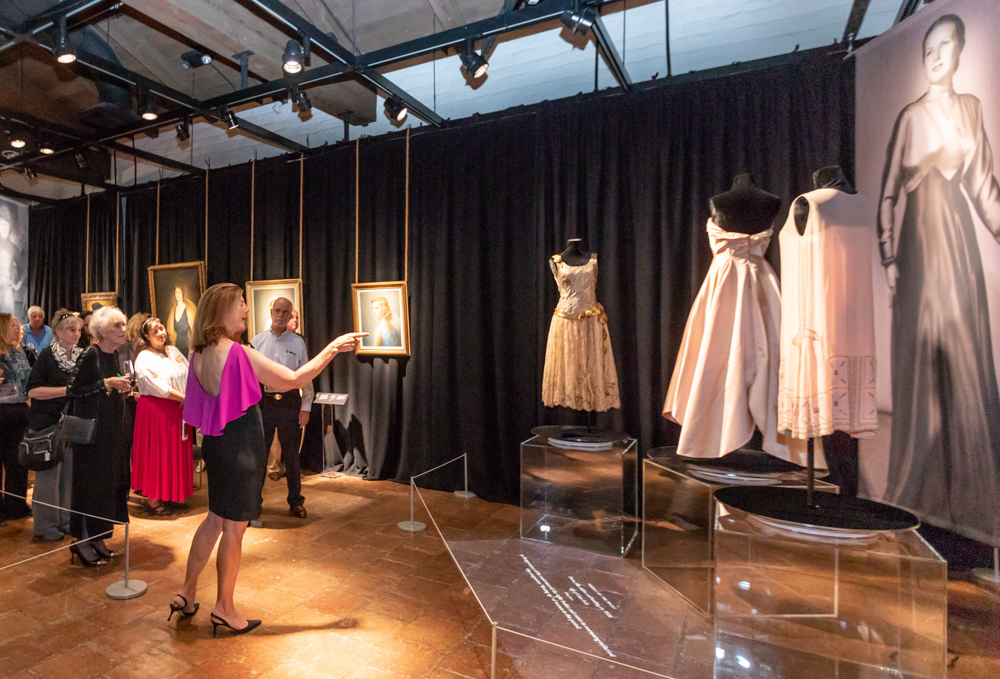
(574, 254)
(830, 177)
(744, 208)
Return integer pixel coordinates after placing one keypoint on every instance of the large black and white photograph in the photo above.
(14, 259)
(928, 113)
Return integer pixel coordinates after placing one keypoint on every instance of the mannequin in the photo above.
(744, 208)
(830, 177)
(574, 254)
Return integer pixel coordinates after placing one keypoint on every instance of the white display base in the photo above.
(465, 494)
(412, 526)
(121, 591)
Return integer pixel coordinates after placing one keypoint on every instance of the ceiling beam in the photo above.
(153, 158)
(266, 135)
(312, 78)
(614, 60)
(855, 19)
(277, 9)
(46, 20)
(227, 27)
(14, 193)
(906, 9)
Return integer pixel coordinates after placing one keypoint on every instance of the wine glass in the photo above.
(129, 369)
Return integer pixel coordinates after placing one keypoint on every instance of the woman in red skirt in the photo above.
(162, 461)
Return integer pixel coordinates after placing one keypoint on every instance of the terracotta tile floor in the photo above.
(343, 594)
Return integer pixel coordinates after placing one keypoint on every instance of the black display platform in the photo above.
(828, 510)
(743, 460)
(578, 434)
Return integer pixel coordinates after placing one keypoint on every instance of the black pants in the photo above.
(13, 423)
(841, 452)
(282, 415)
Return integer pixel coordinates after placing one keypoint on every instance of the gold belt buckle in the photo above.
(277, 397)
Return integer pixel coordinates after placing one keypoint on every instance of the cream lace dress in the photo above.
(579, 364)
(826, 380)
(725, 381)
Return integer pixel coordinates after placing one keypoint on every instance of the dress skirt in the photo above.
(580, 368)
(162, 460)
(236, 464)
(945, 451)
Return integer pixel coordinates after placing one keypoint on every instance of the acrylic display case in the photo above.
(678, 515)
(580, 498)
(795, 601)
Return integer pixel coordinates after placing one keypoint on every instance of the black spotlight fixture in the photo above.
(30, 173)
(579, 19)
(302, 101)
(475, 64)
(146, 108)
(395, 107)
(46, 147)
(232, 121)
(293, 59)
(81, 161)
(183, 130)
(195, 59)
(65, 54)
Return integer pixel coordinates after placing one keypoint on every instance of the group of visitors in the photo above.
(126, 376)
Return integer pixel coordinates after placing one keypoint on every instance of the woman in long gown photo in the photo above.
(945, 449)
(180, 321)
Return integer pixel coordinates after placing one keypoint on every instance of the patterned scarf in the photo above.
(67, 363)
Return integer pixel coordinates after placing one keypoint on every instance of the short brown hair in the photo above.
(210, 321)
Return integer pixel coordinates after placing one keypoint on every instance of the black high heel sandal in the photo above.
(74, 551)
(174, 608)
(217, 622)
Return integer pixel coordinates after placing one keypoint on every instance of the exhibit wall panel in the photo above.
(491, 199)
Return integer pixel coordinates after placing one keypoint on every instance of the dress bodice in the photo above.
(238, 392)
(739, 245)
(577, 285)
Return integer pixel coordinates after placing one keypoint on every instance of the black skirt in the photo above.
(236, 463)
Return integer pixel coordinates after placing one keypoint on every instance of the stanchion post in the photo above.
(126, 589)
(493, 654)
(411, 526)
(465, 494)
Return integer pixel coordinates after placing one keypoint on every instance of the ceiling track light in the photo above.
(17, 141)
(475, 64)
(81, 161)
(302, 101)
(292, 59)
(65, 54)
(395, 107)
(579, 19)
(232, 121)
(30, 173)
(195, 59)
(46, 147)
(183, 130)
(146, 108)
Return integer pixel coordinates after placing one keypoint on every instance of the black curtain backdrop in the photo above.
(491, 199)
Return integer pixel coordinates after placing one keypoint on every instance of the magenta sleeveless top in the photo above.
(238, 392)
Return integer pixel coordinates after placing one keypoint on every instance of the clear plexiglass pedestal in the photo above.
(678, 519)
(580, 498)
(792, 602)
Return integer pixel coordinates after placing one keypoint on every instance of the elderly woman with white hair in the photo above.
(100, 469)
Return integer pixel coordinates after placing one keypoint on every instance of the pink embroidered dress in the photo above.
(233, 447)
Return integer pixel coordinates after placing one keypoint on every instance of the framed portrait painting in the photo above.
(174, 293)
(260, 297)
(380, 309)
(92, 301)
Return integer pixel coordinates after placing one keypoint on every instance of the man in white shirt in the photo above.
(285, 412)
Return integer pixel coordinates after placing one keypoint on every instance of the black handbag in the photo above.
(45, 448)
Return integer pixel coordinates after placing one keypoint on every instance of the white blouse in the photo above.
(158, 374)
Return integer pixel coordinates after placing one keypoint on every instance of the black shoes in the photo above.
(217, 622)
(74, 550)
(174, 608)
